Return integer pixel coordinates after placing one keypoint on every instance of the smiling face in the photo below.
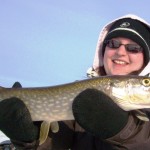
(118, 61)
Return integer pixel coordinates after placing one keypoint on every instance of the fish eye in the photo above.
(146, 82)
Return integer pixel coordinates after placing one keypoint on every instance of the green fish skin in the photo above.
(54, 103)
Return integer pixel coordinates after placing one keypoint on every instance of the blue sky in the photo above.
(49, 42)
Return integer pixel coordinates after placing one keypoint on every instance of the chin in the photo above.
(119, 73)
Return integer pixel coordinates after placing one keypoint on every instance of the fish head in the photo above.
(131, 92)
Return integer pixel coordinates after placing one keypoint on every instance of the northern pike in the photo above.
(54, 103)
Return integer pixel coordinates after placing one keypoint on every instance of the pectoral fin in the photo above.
(54, 127)
(44, 130)
(141, 115)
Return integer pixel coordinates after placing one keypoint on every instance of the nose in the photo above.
(121, 50)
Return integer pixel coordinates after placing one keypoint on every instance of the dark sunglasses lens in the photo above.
(133, 48)
(113, 44)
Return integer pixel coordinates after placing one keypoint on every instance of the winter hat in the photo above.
(134, 30)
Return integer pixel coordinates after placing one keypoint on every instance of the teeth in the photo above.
(119, 62)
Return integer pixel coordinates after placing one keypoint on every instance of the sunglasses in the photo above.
(132, 48)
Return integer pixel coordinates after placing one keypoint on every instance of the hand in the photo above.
(15, 120)
(98, 114)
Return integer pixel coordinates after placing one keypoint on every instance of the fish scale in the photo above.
(54, 103)
(49, 99)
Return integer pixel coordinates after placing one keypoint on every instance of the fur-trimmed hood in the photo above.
(98, 59)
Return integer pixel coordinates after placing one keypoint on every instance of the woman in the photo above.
(123, 48)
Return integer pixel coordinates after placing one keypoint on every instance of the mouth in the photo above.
(119, 62)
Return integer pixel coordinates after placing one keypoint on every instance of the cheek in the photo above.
(107, 58)
(108, 54)
(138, 59)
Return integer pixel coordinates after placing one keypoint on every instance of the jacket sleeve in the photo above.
(61, 140)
